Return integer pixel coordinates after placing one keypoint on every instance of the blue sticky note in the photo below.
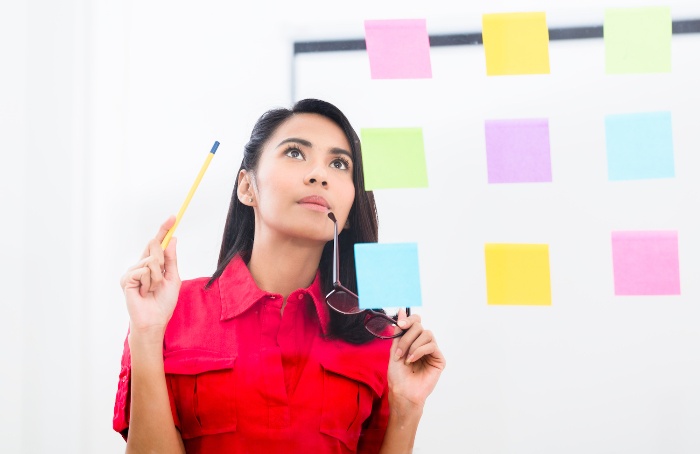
(639, 146)
(387, 275)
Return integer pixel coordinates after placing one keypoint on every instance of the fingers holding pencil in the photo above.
(161, 263)
(148, 273)
(152, 262)
(152, 285)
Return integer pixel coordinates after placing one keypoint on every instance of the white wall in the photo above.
(43, 156)
(13, 26)
(106, 110)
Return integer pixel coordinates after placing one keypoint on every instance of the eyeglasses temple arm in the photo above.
(336, 255)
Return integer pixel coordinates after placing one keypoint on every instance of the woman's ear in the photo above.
(245, 188)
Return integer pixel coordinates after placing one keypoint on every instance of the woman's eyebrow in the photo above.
(306, 143)
(337, 151)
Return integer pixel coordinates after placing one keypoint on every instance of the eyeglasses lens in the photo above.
(343, 302)
(381, 327)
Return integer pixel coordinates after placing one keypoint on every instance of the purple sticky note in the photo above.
(398, 49)
(646, 263)
(517, 151)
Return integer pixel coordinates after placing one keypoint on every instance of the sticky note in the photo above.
(639, 146)
(387, 275)
(518, 274)
(398, 49)
(638, 40)
(646, 263)
(516, 43)
(517, 151)
(393, 158)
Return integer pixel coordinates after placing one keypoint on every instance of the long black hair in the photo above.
(239, 230)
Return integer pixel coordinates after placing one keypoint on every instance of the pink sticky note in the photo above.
(398, 49)
(517, 151)
(646, 263)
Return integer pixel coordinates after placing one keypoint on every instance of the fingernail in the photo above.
(399, 352)
(409, 359)
(402, 323)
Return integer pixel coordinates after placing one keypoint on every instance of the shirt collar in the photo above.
(239, 292)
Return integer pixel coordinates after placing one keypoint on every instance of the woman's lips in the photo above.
(314, 206)
(316, 203)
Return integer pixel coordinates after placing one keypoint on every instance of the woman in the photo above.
(254, 359)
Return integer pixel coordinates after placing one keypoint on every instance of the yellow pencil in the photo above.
(169, 235)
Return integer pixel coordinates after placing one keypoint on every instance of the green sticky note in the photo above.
(637, 40)
(393, 158)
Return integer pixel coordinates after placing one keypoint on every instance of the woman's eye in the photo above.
(294, 153)
(339, 164)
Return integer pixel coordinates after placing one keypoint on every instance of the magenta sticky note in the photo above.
(646, 263)
(517, 151)
(398, 49)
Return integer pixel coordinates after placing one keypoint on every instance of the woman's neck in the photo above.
(284, 265)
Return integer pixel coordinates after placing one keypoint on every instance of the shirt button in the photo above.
(301, 296)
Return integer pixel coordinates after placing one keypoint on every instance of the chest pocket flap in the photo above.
(203, 385)
(356, 370)
(349, 390)
(195, 361)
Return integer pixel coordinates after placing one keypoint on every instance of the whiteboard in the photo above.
(593, 372)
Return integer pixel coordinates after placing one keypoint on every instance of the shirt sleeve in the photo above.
(122, 402)
(374, 428)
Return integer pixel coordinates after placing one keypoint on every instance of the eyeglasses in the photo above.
(343, 301)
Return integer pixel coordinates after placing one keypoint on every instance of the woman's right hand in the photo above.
(151, 287)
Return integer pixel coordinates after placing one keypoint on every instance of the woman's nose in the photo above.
(315, 176)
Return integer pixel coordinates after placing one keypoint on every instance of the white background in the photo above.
(108, 108)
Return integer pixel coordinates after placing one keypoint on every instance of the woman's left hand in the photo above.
(415, 365)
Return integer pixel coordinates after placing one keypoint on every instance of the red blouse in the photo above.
(244, 378)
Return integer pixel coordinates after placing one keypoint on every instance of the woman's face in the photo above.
(305, 170)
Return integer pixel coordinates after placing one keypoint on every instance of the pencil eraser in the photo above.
(213, 149)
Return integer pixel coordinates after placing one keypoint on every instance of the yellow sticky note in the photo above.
(518, 274)
(515, 43)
